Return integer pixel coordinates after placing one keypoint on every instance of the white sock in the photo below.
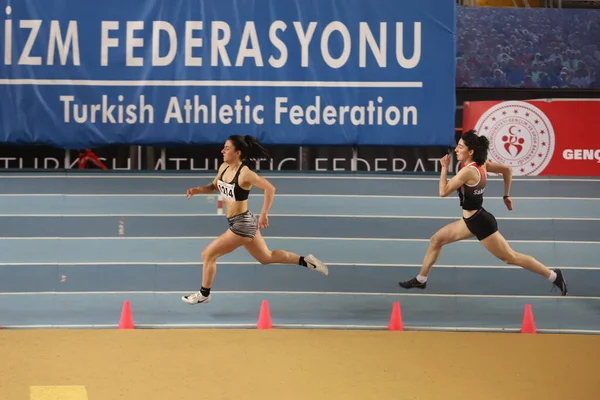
(423, 279)
(552, 276)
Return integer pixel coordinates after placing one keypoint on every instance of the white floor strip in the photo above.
(344, 239)
(61, 326)
(223, 264)
(302, 195)
(412, 328)
(268, 174)
(176, 215)
(305, 293)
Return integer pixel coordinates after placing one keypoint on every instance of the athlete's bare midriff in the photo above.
(233, 208)
(468, 213)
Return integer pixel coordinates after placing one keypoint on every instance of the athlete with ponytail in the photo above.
(234, 181)
(470, 183)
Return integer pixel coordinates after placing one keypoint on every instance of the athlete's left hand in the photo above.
(263, 221)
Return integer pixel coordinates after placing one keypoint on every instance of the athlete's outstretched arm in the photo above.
(506, 172)
(206, 189)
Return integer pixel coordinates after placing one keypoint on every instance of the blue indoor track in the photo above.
(74, 247)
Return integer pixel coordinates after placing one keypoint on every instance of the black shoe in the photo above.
(413, 283)
(560, 282)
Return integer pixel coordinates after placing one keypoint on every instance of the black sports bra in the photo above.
(232, 190)
(471, 196)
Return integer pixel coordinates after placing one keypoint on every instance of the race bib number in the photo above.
(226, 189)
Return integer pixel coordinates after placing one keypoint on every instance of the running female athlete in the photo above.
(234, 181)
(470, 183)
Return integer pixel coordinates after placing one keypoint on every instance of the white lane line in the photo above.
(344, 239)
(300, 326)
(223, 264)
(77, 175)
(305, 293)
(302, 195)
(180, 215)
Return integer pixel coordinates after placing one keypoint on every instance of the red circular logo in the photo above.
(520, 134)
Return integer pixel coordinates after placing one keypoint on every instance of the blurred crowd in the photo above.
(528, 48)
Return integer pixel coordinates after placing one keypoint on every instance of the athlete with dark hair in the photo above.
(234, 181)
(470, 183)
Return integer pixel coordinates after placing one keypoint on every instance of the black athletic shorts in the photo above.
(481, 224)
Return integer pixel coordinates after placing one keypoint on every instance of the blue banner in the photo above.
(80, 73)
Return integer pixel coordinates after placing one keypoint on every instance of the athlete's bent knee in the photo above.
(509, 258)
(264, 260)
(437, 240)
(207, 255)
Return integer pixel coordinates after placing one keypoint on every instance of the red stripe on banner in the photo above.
(558, 137)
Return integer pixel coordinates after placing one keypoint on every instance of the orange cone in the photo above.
(126, 321)
(396, 319)
(264, 318)
(528, 324)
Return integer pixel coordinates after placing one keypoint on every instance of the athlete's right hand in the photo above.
(191, 192)
(445, 161)
(508, 203)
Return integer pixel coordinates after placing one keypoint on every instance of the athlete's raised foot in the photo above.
(412, 284)
(316, 264)
(560, 282)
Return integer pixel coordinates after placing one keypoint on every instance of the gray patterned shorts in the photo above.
(244, 224)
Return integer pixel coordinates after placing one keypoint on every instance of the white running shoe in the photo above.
(196, 298)
(316, 264)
